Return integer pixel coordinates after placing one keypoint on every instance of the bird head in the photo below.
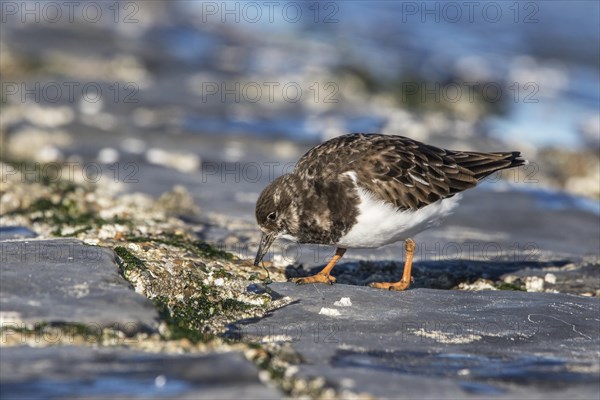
(276, 212)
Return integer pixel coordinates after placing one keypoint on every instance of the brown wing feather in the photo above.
(402, 171)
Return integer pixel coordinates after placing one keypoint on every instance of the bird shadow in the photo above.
(445, 274)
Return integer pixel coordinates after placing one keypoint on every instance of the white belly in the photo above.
(380, 223)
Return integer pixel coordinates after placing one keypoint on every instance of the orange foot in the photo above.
(318, 278)
(401, 285)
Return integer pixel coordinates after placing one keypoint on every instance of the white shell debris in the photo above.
(332, 312)
(550, 278)
(448, 337)
(277, 339)
(479, 284)
(160, 381)
(184, 162)
(219, 282)
(7, 317)
(108, 155)
(534, 284)
(343, 302)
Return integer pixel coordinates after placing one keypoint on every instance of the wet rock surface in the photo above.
(76, 372)
(562, 275)
(439, 343)
(73, 327)
(63, 281)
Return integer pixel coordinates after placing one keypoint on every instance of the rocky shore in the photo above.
(101, 282)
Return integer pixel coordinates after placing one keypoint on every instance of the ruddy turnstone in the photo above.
(369, 190)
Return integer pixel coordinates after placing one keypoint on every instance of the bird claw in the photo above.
(398, 286)
(318, 278)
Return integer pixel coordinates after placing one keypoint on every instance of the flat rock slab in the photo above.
(112, 372)
(66, 281)
(440, 343)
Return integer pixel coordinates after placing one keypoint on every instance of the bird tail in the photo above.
(484, 164)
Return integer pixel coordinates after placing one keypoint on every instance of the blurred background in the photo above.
(221, 97)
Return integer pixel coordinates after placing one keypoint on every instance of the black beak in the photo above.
(265, 242)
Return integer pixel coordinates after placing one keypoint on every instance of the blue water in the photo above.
(552, 45)
(289, 127)
(548, 199)
(101, 386)
(559, 39)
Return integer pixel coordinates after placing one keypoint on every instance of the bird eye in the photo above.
(272, 216)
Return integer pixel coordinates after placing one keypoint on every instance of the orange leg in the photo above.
(323, 276)
(403, 284)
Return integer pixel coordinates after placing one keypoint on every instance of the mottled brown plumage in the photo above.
(399, 170)
(321, 201)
